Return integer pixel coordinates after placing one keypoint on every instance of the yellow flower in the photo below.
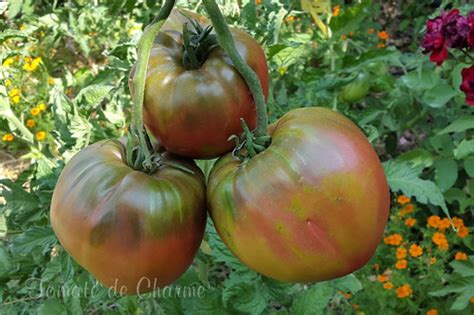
(40, 135)
(410, 222)
(8, 82)
(14, 92)
(401, 253)
(22, 27)
(460, 256)
(401, 264)
(16, 99)
(432, 312)
(404, 291)
(35, 111)
(8, 137)
(416, 250)
(50, 80)
(30, 123)
(394, 239)
(433, 221)
(33, 65)
(8, 62)
(402, 199)
(463, 232)
(42, 107)
(383, 35)
(335, 10)
(388, 286)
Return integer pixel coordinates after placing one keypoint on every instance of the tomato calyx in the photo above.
(248, 145)
(197, 44)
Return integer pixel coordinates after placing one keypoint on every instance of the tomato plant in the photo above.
(194, 96)
(126, 227)
(311, 207)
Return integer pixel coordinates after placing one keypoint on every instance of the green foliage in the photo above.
(76, 93)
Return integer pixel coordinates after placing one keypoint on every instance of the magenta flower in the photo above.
(455, 29)
(467, 85)
(470, 38)
(434, 42)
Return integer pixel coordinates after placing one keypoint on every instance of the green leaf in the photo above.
(52, 306)
(465, 148)
(418, 157)
(461, 124)
(350, 18)
(209, 305)
(313, 301)
(420, 81)
(404, 177)
(456, 194)
(14, 7)
(35, 237)
(3, 226)
(439, 95)
(244, 297)
(93, 94)
(446, 173)
(5, 264)
(348, 283)
(469, 165)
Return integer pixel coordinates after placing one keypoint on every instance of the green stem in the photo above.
(137, 129)
(225, 40)
(26, 134)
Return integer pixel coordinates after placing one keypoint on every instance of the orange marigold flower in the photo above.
(388, 286)
(376, 267)
(404, 291)
(432, 312)
(439, 238)
(444, 224)
(30, 123)
(394, 239)
(463, 232)
(416, 250)
(370, 31)
(40, 135)
(258, 2)
(402, 199)
(344, 36)
(8, 137)
(383, 35)
(34, 111)
(380, 45)
(460, 256)
(355, 306)
(432, 260)
(336, 10)
(347, 296)
(351, 34)
(401, 264)
(458, 223)
(382, 278)
(410, 222)
(401, 253)
(433, 221)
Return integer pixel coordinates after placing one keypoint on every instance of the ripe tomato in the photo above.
(357, 89)
(311, 207)
(193, 112)
(129, 229)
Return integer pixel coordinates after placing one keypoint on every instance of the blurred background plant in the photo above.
(64, 74)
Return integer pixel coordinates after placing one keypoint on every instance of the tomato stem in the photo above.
(197, 44)
(226, 41)
(142, 157)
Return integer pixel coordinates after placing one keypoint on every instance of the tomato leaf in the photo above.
(404, 177)
(314, 300)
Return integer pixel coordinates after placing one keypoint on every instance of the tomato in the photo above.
(193, 112)
(357, 89)
(311, 207)
(131, 230)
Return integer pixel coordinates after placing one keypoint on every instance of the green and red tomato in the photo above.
(133, 231)
(311, 207)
